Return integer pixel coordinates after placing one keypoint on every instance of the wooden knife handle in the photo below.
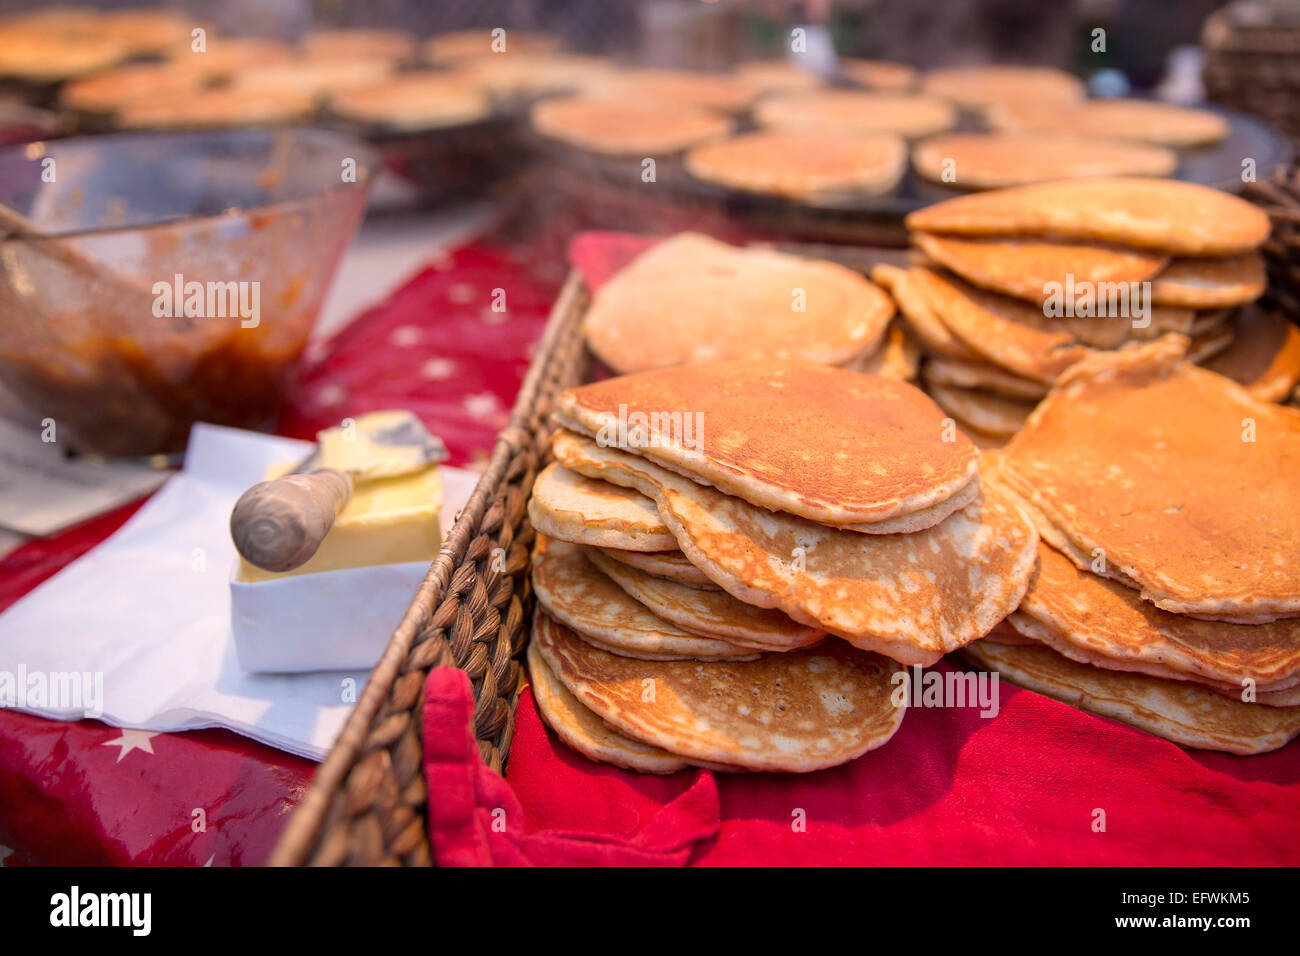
(277, 525)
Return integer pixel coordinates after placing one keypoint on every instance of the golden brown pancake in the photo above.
(1141, 455)
(582, 730)
(880, 452)
(672, 565)
(899, 355)
(1211, 283)
(634, 128)
(1264, 355)
(985, 412)
(216, 107)
(356, 43)
(907, 114)
(457, 45)
(918, 315)
(415, 100)
(532, 74)
(1161, 214)
(1161, 123)
(784, 712)
(773, 76)
(982, 375)
(223, 57)
(977, 87)
(879, 74)
(39, 57)
(680, 88)
(567, 506)
(109, 90)
(1177, 711)
(910, 596)
(803, 165)
(316, 77)
(709, 613)
(144, 31)
(995, 160)
(693, 299)
(575, 592)
(1024, 267)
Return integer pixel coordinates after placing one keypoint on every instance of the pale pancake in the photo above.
(985, 412)
(773, 76)
(879, 74)
(982, 375)
(415, 100)
(1264, 355)
(1162, 214)
(575, 592)
(1140, 454)
(790, 712)
(977, 87)
(879, 452)
(1183, 713)
(997, 160)
(1024, 267)
(572, 508)
(694, 299)
(802, 165)
(912, 597)
(627, 128)
(899, 356)
(1161, 123)
(1211, 283)
(910, 115)
(681, 88)
(672, 565)
(1108, 619)
(582, 730)
(709, 613)
(920, 318)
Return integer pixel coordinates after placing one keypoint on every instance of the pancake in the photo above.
(535, 74)
(995, 160)
(567, 506)
(457, 45)
(878, 74)
(709, 613)
(1165, 215)
(412, 101)
(981, 375)
(790, 712)
(633, 128)
(1140, 454)
(315, 77)
(671, 565)
(899, 356)
(1211, 283)
(681, 88)
(108, 90)
(912, 597)
(976, 87)
(143, 32)
(582, 730)
(580, 596)
(985, 412)
(693, 299)
(1110, 620)
(1160, 123)
(37, 57)
(355, 43)
(774, 76)
(1264, 356)
(909, 115)
(1024, 267)
(879, 454)
(223, 57)
(216, 107)
(1183, 713)
(802, 165)
(920, 318)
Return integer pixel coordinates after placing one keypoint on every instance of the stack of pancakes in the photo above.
(695, 299)
(1167, 593)
(1016, 288)
(740, 588)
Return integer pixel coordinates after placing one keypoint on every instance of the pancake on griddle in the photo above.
(575, 592)
(804, 164)
(1178, 711)
(977, 87)
(910, 596)
(880, 459)
(1182, 479)
(709, 613)
(907, 114)
(1163, 124)
(572, 508)
(1161, 214)
(1264, 355)
(796, 712)
(671, 565)
(920, 318)
(997, 160)
(693, 299)
(1211, 283)
(991, 414)
(627, 128)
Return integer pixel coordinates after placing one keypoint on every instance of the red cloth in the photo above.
(1028, 786)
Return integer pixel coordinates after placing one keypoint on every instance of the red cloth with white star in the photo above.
(85, 793)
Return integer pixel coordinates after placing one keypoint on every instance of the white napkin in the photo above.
(136, 633)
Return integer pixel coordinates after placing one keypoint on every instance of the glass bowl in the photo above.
(154, 280)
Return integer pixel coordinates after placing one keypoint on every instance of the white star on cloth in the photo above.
(5, 853)
(132, 740)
